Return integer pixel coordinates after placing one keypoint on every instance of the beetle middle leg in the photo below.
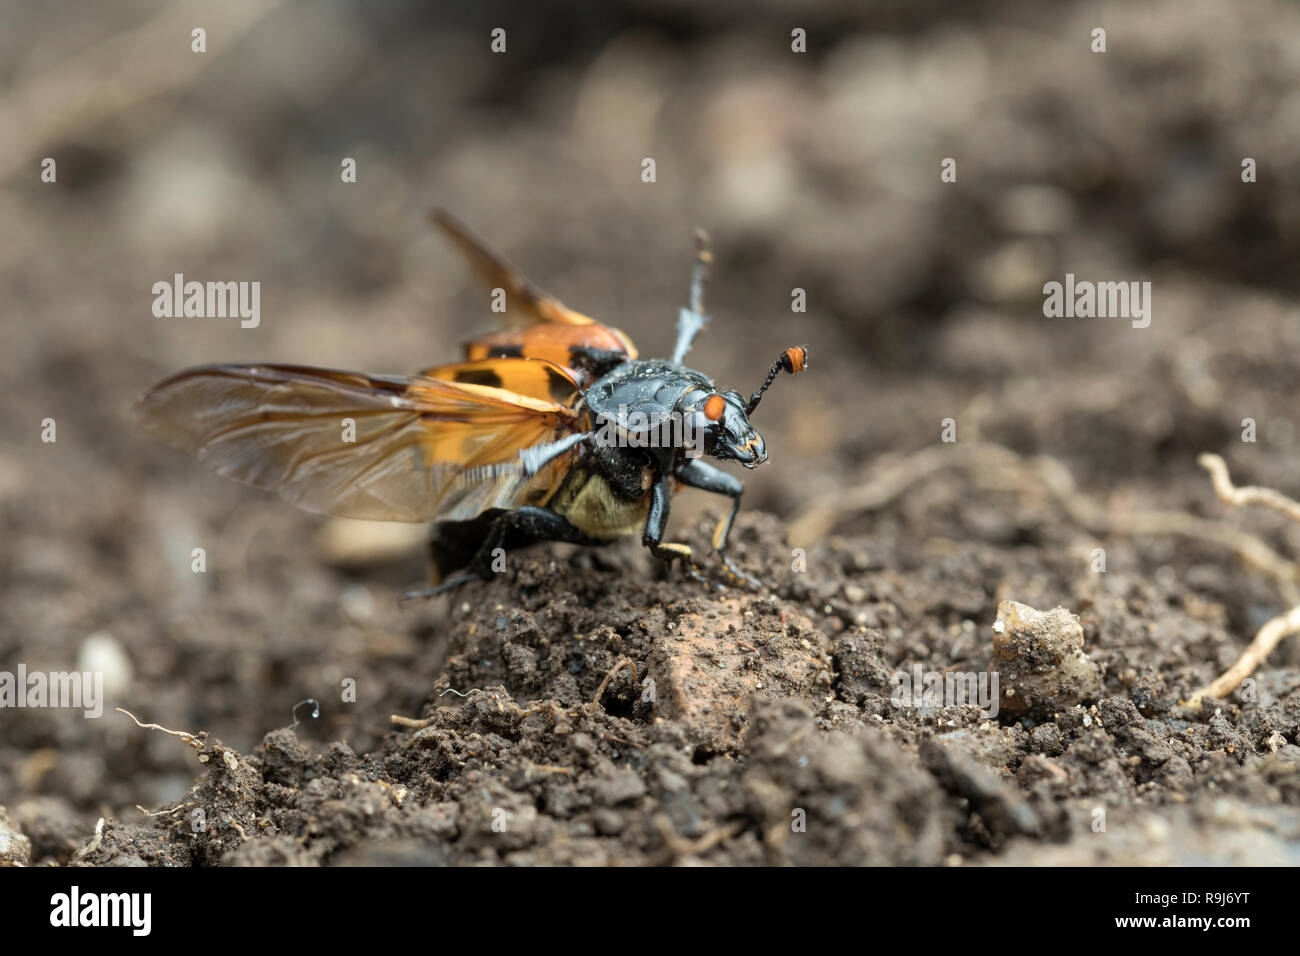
(656, 523)
(702, 475)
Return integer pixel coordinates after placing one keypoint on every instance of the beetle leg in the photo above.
(656, 522)
(702, 475)
(450, 584)
(523, 525)
(509, 529)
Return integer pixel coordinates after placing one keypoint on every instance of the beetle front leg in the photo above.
(656, 523)
(702, 475)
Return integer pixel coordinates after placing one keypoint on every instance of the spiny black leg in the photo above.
(702, 475)
(454, 544)
(514, 529)
(506, 530)
(453, 547)
(656, 522)
(450, 584)
(532, 523)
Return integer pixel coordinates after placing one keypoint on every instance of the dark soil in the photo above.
(744, 729)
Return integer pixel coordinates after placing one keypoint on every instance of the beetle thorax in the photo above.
(651, 388)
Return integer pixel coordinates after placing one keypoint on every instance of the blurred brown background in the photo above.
(817, 170)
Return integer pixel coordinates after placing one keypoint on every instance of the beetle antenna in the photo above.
(700, 273)
(792, 360)
(690, 321)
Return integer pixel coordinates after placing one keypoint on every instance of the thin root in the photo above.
(1275, 631)
(95, 842)
(194, 740)
(550, 768)
(1270, 636)
(412, 722)
(676, 846)
(997, 465)
(625, 662)
(1247, 494)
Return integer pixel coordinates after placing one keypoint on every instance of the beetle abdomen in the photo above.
(591, 505)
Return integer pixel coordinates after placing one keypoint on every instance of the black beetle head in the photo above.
(724, 416)
(728, 433)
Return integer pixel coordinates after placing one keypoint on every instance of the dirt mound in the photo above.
(599, 715)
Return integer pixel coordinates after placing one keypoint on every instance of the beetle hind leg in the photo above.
(443, 587)
(474, 547)
(454, 544)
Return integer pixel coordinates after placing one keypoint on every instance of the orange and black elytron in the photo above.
(549, 430)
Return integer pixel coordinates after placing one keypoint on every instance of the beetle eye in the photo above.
(714, 406)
